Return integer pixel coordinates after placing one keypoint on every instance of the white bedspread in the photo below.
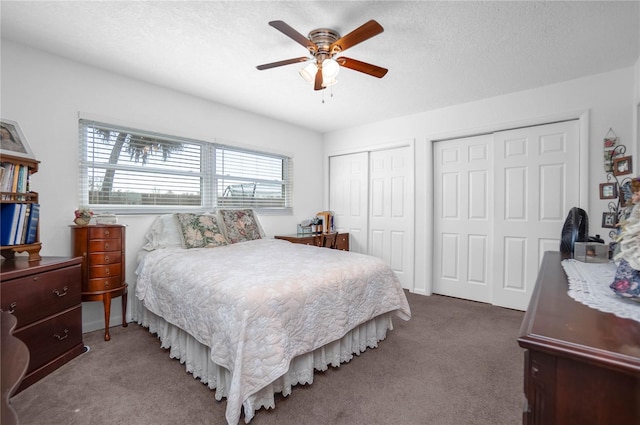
(259, 304)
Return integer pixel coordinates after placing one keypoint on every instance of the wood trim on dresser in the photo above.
(342, 240)
(581, 365)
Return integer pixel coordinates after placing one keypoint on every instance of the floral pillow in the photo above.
(241, 225)
(200, 230)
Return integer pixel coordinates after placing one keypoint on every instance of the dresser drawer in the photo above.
(104, 245)
(96, 232)
(103, 283)
(52, 337)
(35, 297)
(110, 270)
(343, 242)
(100, 258)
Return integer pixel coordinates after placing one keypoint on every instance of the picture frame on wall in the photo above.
(13, 140)
(622, 166)
(609, 220)
(608, 190)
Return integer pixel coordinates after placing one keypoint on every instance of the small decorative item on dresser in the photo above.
(106, 218)
(83, 216)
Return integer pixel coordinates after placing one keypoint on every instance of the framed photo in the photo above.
(622, 166)
(609, 220)
(608, 190)
(13, 141)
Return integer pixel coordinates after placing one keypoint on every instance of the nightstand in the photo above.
(102, 248)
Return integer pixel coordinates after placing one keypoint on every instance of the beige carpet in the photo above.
(455, 362)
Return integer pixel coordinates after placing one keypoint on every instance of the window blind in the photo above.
(129, 170)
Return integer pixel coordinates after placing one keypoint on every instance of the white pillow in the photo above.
(163, 233)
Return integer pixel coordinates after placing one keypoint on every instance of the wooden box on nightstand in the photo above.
(102, 248)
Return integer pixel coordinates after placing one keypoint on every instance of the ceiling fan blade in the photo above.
(318, 82)
(294, 35)
(358, 35)
(282, 63)
(364, 67)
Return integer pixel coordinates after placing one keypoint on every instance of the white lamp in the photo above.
(309, 71)
(330, 69)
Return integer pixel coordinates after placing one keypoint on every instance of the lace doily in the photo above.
(589, 284)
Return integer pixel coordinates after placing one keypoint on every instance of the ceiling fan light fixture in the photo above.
(309, 72)
(327, 83)
(330, 69)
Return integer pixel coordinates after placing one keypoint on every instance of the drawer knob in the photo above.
(107, 271)
(62, 337)
(106, 284)
(106, 233)
(36, 277)
(64, 292)
(106, 246)
(106, 258)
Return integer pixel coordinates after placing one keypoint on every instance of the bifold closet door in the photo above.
(463, 217)
(372, 196)
(391, 210)
(537, 178)
(500, 201)
(348, 197)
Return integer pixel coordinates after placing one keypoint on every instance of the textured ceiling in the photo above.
(438, 53)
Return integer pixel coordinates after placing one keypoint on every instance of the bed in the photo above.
(252, 316)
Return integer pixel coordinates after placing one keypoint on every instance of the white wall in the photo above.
(45, 94)
(603, 101)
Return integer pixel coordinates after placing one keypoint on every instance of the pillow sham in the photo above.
(240, 225)
(163, 233)
(200, 230)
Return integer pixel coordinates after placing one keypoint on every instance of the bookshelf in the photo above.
(17, 198)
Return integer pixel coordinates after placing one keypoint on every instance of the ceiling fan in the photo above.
(325, 46)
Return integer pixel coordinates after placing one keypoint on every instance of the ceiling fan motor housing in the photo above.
(323, 38)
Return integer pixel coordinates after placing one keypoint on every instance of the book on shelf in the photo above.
(21, 217)
(32, 227)
(22, 236)
(19, 224)
(9, 216)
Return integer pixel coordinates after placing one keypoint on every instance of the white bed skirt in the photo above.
(197, 357)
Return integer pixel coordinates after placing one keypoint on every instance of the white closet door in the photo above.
(391, 209)
(499, 203)
(348, 197)
(537, 183)
(463, 202)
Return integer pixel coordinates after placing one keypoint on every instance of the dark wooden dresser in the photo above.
(581, 365)
(44, 297)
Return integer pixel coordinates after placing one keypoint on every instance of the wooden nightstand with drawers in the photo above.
(102, 248)
(44, 297)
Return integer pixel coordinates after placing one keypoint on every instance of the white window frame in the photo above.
(209, 178)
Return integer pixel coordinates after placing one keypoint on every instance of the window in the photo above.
(132, 171)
